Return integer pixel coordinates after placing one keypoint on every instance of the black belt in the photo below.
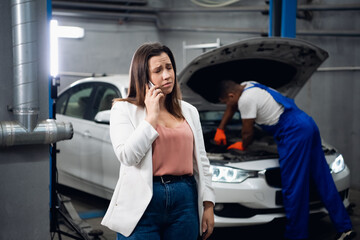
(169, 178)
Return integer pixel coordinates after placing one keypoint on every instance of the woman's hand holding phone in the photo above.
(152, 103)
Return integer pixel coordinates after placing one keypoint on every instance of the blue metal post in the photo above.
(49, 16)
(52, 147)
(270, 18)
(275, 18)
(288, 18)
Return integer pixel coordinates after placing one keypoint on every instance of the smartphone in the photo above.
(150, 84)
(204, 234)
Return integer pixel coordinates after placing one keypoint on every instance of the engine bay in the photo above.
(263, 146)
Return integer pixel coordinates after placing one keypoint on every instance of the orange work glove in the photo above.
(237, 145)
(220, 137)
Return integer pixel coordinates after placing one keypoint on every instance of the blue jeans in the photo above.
(172, 213)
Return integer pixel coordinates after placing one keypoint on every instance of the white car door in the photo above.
(71, 107)
(102, 167)
(87, 162)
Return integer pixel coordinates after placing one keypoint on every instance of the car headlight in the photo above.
(338, 164)
(230, 175)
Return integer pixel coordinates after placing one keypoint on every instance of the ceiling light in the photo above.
(70, 32)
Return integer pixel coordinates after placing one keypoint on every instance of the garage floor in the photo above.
(91, 210)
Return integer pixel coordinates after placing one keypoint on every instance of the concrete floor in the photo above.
(91, 209)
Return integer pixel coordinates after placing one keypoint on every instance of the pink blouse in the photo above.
(173, 151)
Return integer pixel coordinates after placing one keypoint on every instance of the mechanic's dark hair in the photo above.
(139, 78)
(225, 87)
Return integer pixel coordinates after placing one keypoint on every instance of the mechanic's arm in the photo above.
(228, 114)
(220, 137)
(247, 132)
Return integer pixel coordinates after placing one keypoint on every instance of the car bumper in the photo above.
(255, 202)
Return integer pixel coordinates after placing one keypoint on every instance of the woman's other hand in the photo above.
(208, 223)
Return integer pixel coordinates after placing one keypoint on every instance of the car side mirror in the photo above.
(103, 117)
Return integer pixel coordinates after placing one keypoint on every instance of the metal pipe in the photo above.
(81, 74)
(330, 7)
(262, 32)
(328, 33)
(65, 5)
(25, 63)
(339, 69)
(46, 132)
(26, 129)
(265, 8)
(105, 15)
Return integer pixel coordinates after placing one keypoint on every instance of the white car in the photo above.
(247, 184)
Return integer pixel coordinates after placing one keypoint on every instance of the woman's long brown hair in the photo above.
(139, 78)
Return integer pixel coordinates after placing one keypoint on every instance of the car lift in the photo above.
(61, 208)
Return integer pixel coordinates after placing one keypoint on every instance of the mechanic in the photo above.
(299, 147)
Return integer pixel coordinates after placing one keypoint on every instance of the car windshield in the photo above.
(214, 117)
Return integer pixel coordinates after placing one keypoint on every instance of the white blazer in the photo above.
(132, 139)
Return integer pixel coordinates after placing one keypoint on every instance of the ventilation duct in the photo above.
(26, 129)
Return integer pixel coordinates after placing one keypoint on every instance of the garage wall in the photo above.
(24, 170)
(331, 96)
(107, 47)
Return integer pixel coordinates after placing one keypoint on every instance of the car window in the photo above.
(61, 103)
(105, 93)
(107, 98)
(78, 102)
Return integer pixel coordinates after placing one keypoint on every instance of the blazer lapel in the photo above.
(137, 114)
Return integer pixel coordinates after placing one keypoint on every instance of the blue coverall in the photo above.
(301, 157)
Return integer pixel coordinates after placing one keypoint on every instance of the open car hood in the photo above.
(281, 63)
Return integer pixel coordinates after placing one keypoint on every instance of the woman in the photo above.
(164, 188)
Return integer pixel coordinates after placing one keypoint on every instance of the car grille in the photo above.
(272, 177)
(235, 210)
